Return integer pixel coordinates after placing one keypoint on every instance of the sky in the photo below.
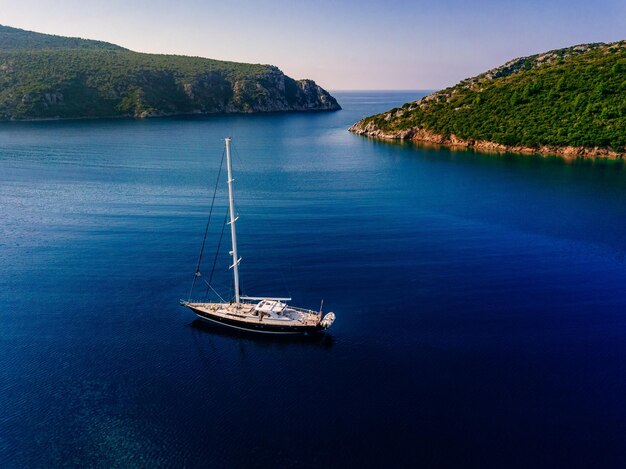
(342, 45)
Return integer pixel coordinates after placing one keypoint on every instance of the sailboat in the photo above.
(263, 314)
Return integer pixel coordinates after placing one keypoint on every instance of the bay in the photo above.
(479, 298)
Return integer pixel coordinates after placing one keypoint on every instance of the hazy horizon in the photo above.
(395, 46)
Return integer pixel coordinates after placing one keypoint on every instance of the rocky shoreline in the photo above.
(425, 136)
(153, 115)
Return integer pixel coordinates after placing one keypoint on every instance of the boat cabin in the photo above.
(270, 307)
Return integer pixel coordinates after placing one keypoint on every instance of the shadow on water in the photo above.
(321, 339)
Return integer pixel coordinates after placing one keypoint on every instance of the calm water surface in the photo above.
(480, 299)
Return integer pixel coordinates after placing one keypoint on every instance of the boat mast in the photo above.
(233, 219)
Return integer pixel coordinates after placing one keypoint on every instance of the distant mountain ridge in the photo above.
(44, 76)
(15, 39)
(569, 102)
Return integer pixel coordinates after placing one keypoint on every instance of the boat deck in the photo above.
(270, 313)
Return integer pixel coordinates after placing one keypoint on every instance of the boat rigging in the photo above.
(260, 313)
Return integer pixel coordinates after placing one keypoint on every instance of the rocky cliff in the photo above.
(44, 76)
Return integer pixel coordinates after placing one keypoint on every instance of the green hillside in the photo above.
(43, 76)
(574, 97)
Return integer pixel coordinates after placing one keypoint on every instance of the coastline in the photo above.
(176, 114)
(483, 146)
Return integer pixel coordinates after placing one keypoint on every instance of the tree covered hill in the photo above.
(45, 76)
(569, 101)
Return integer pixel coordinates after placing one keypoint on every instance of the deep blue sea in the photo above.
(480, 299)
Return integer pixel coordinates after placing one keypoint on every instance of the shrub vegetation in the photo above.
(570, 97)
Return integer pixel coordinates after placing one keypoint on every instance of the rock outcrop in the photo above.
(427, 137)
